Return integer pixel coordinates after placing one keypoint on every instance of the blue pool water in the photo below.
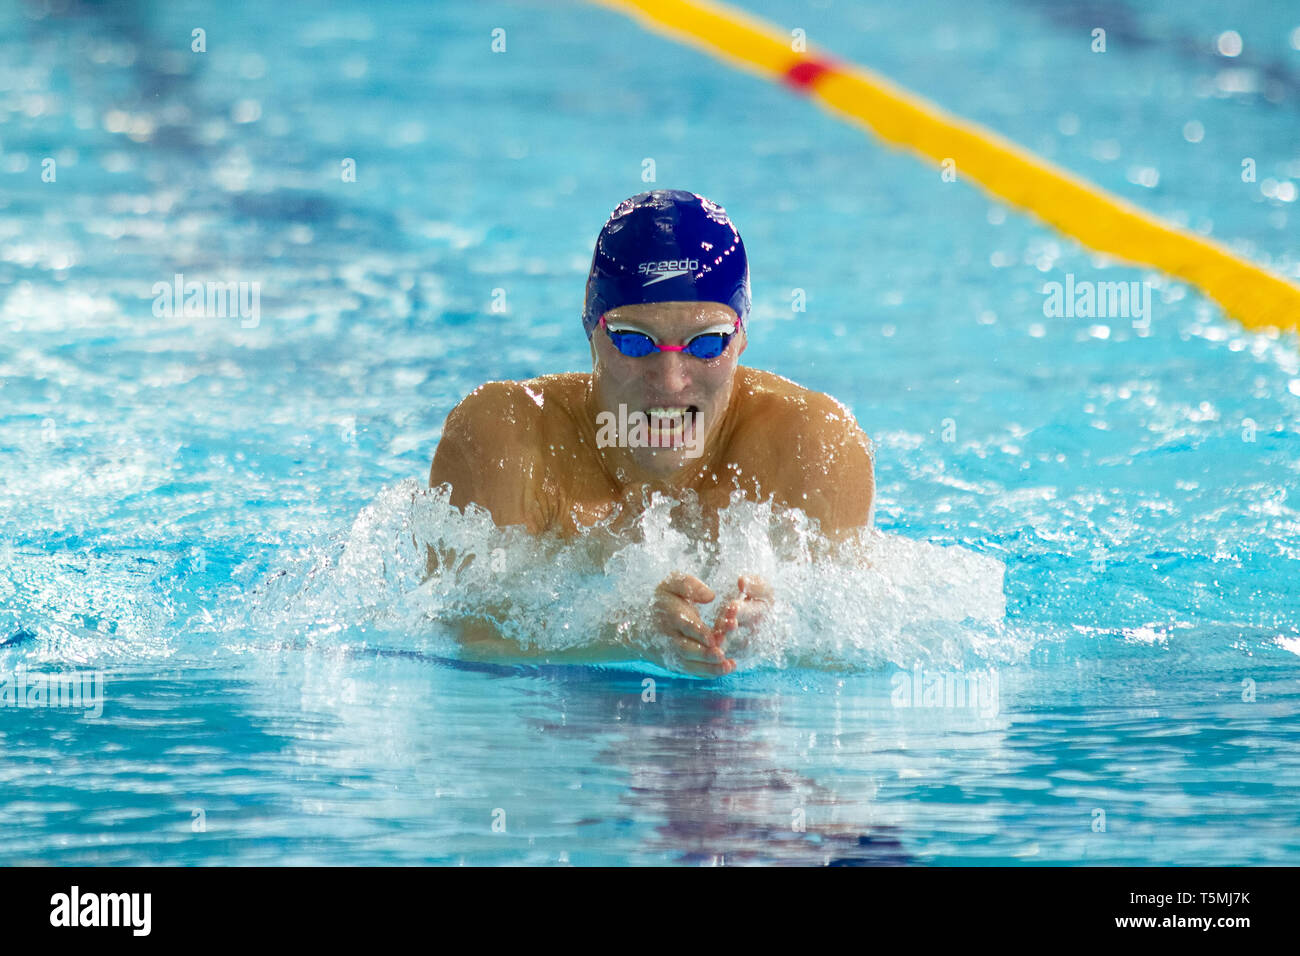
(1092, 520)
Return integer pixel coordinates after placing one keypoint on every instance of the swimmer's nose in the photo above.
(671, 371)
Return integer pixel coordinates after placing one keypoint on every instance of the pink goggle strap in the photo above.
(672, 348)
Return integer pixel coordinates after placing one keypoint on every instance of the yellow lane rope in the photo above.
(1259, 299)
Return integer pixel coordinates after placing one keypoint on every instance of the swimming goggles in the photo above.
(709, 345)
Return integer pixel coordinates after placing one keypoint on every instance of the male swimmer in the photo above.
(666, 305)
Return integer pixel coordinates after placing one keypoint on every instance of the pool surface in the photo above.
(1072, 637)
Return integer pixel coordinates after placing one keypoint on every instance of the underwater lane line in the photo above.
(1257, 298)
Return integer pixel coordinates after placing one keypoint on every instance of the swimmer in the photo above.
(666, 408)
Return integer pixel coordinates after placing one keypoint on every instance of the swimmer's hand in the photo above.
(692, 646)
(740, 617)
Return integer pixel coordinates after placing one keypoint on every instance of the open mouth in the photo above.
(672, 426)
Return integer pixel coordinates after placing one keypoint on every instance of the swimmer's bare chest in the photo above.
(576, 491)
(579, 498)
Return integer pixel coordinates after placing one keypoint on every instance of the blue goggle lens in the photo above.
(637, 345)
(708, 346)
(633, 344)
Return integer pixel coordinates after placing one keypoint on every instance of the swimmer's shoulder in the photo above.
(560, 389)
(489, 448)
(496, 411)
(807, 449)
(562, 397)
(771, 401)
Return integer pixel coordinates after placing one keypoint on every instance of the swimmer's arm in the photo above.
(624, 643)
(672, 636)
(488, 455)
(482, 641)
(831, 474)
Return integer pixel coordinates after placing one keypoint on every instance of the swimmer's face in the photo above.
(662, 384)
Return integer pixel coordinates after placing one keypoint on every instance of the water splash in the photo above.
(81, 607)
(869, 601)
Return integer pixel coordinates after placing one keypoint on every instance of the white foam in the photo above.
(873, 600)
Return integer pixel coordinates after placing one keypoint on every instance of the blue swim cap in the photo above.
(667, 245)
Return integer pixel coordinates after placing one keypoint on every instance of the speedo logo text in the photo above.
(667, 269)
